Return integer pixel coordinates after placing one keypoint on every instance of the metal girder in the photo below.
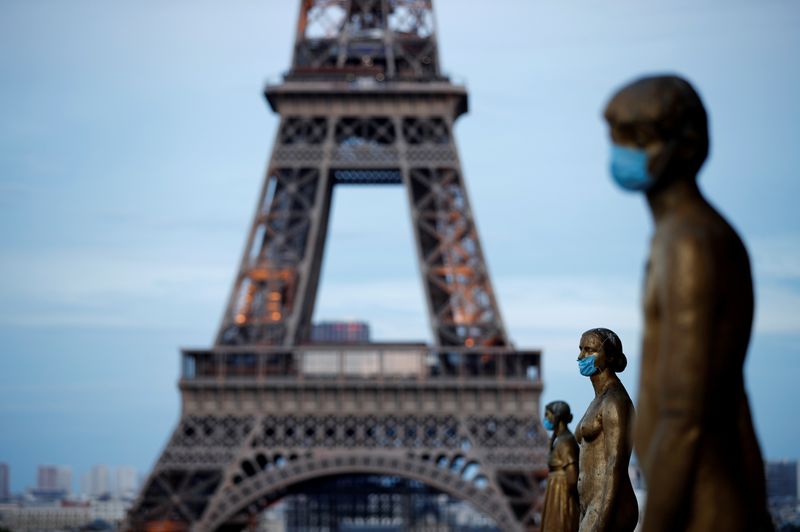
(282, 259)
(384, 39)
(262, 412)
(217, 469)
(463, 307)
(272, 300)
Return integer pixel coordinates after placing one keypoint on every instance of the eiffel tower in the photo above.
(368, 435)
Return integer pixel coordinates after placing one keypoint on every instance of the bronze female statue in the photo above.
(604, 434)
(561, 511)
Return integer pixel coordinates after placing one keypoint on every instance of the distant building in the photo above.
(85, 486)
(340, 332)
(127, 482)
(5, 482)
(50, 478)
(38, 518)
(46, 477)
(99, 481)
(64, 479)
(63, 515)
(782, 479)
(111, 511)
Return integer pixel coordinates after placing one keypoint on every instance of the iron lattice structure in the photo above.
(266, 413)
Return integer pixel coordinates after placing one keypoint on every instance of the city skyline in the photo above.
(130, 167)
(99, 480)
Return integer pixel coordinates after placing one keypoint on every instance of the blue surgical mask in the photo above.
(586, 366)
(548, 424)
(629, 168)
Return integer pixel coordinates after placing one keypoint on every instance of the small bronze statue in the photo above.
(561, 511)
(604, 434)
(694, 434)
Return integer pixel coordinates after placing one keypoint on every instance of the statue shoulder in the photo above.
(702, 227)
(566, 448)
(617, 403)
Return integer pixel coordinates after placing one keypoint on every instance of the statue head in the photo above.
(606, 347)
(558, 411)
(659, 123)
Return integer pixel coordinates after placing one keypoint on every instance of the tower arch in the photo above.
(254, 493)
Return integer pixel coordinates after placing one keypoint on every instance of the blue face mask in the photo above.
(629, 168)
(548, 424)
(587, 367)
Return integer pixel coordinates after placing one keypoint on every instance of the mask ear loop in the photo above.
(606, 339)
(613, 342)
(666, 156)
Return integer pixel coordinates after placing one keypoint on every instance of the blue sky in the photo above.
(133, 142)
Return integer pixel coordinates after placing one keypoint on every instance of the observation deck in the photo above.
(417, 363)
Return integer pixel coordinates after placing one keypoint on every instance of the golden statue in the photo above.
(604, 434)
(694, 435)
(561, 511)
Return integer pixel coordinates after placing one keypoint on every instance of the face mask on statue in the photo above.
(587, 367)
(548, 424)
(629, 168)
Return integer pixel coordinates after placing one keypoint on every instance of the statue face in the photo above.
(663, 116)
(592, 345)
(642, 135)
(634, 134)
(548, 415)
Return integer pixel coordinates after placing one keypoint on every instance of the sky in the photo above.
(133, 142)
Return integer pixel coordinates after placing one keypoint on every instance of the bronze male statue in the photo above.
(608, 503)
(694, 433)
(561, 511)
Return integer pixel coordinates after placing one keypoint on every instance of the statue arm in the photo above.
(569, 453)
(683, 380)
(573, 470)
(572, 476)
(615, 428)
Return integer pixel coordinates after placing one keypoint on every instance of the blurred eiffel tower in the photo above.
(356, 436)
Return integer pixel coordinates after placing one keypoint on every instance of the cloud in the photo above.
(543, 311)
(105, 289)
(556, 302)
(394, 308)
(776, 269)
(776, 309)
(776, 257)
(93, 288)
(539, 312)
